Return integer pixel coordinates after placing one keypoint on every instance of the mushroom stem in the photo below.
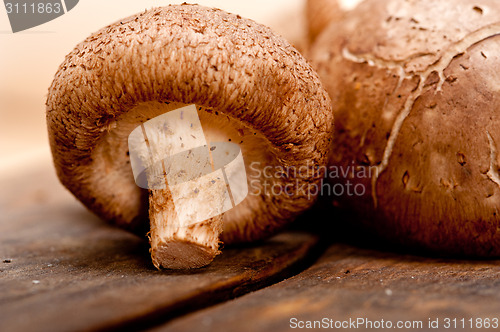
(187, 194)
(176, 246)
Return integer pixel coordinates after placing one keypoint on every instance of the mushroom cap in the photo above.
(415, 91)
(320, 14)
(178, 55)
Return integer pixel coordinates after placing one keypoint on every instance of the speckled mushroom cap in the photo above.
(414, 86)
(178, 55)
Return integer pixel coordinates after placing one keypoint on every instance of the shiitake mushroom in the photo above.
(250, 87)
(415, 92)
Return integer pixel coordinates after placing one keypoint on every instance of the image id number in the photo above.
(38, 8)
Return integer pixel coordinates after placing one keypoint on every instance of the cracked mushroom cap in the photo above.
(250, 87)
(415, 92)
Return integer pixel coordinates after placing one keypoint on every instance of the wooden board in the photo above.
(350, 283)
(63, 269)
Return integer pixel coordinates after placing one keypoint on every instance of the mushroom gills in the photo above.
(178, 243)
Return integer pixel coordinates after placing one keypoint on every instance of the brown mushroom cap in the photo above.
(240, 75)
(415, 91)
(320, 14)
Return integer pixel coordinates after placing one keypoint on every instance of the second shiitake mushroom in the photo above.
(415, 91)
(249, 87)
(320, 14)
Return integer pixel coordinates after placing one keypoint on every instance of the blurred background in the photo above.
(29, 60)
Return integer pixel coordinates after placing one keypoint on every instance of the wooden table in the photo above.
(62, 269)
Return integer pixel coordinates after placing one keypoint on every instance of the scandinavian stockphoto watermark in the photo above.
(26, 14)
(170, 152)
(336, 180)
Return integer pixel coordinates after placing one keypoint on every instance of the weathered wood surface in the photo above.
(348, 282)
(62, 269)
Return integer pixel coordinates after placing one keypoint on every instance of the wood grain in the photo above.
(62, 269)
(350, 282)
